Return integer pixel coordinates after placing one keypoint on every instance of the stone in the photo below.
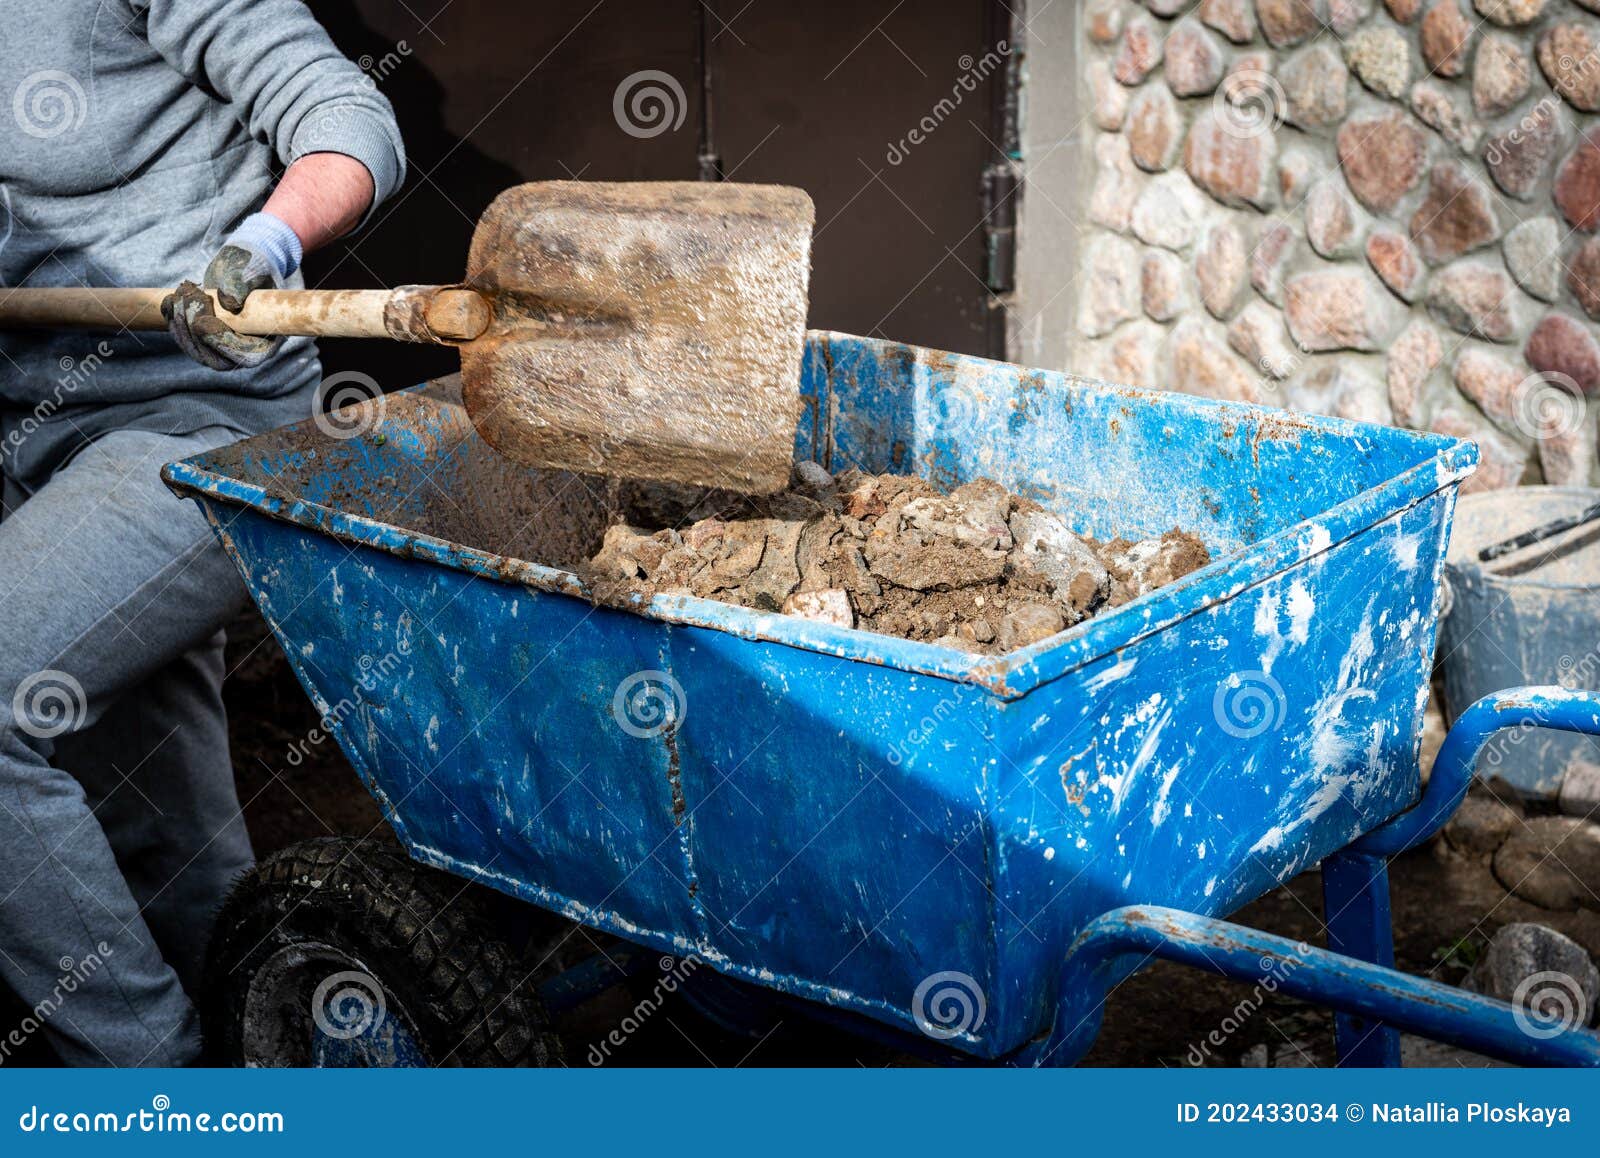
(1314, 82)
(1567, 458)
(1567, 57)
(1141, 51)
(1562, 345)
(1510, 13)
(1412, 358)
(1437, 108)
(1382, 158)
(1164, 285)
(1045, 548)
(1358, 396)
(1577, 187)
(1532, 253)
(1580, 787)
(1405, 11)
(1104, 19)
(1298, 172)
(1492, 383)
(1381, 60)
(1235, 19)
(1111, 285)
(1203, 365)
(830, 605)
(1258, 334)
(1250, 101)
(1236, 170)
(1331, 220)
(1550, 862)
(1155, 128)
(1269, 261)
(1170, 212)
(1029, 624)
(1541, 970)
(1222, 269)
(1501, 462)
(1339, 309)
(1456, 217)
(1288, 22)
(1345, 16)
(1117, 183)
(1474, 299)
(1396, 261)
(1194, 59)
(1583, 276)
(1519, 158)
(1166, 9)
(1481, 825)
(1132, 355)
(1501, 73)
(1110, 98)
(1446, 36)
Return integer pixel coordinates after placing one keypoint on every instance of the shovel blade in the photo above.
(646, 330)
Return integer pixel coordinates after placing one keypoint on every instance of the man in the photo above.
(136, 139)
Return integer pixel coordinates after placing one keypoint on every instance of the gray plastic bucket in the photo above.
(1541, 626)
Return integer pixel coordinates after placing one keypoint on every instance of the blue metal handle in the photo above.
(1118, 942)
(1533, 707)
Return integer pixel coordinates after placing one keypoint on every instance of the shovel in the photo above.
(646, 330)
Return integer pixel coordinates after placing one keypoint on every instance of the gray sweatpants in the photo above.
(120, 830)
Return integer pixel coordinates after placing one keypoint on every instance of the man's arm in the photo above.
(322, 196)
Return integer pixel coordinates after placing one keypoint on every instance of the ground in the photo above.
(1446, 906)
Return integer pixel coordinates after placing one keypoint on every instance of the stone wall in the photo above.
(1382, 210)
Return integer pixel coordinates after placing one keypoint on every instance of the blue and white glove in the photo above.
(261, 254)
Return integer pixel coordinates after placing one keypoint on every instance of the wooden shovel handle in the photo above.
(444, 315)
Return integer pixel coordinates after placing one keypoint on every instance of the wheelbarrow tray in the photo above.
(841, 815)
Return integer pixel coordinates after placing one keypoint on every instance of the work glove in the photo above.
(261, 254)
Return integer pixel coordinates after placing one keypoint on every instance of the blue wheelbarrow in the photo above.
(963, 850)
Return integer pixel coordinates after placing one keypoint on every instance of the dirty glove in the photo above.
(261, 254)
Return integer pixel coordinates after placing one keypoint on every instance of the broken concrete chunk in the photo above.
(1046, 548)
(1029, 624)
(831, 605)
(973, 515)
(1139, 568)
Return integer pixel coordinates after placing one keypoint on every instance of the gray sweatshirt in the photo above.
(134, 135)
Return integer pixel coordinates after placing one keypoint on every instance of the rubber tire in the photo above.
(419, 931)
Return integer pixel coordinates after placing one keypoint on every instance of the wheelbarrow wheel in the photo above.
(344, 952)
